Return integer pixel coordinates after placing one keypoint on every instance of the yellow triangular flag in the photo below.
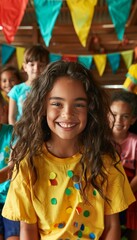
(82, 12)
(20, 55)
(100, 61)
(127, 57)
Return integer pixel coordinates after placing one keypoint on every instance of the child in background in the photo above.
(35, 59)
(124, 108)
(9, 230)
(9, 77)
(68, 182)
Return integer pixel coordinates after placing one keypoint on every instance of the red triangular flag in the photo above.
(11, 13)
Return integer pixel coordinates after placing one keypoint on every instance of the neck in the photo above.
(62, 148)
(120, 138)
(29, 82)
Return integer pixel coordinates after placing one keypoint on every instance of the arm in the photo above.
(5, 174)
(28, 231)
(112, 227)
(12, 111)
(133, 184)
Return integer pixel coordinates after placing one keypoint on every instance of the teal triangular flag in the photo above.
(114, 60)
(6, 53)
(47, 12)
(119, 11)
(54, 57)
(85, 60)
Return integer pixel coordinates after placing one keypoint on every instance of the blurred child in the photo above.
(9, 77)
(9, 230)
(124, 109)
(68, 182)
(35, 59)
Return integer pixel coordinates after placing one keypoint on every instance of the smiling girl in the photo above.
(66, 170)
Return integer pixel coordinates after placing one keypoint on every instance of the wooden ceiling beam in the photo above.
(133, 16)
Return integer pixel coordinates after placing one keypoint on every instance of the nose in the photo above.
(67, 112)
(118, 119)
(9, 83)
(36, 67)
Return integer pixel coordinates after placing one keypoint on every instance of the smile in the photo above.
(67, 125)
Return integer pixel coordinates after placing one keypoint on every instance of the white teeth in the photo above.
(67, 125)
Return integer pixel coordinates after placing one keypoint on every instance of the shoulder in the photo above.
(132, 138)
(108, 162)
(6, 134)
(6, 128)
(17, 90)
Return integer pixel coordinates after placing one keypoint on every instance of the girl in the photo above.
(35, 59)
(9, 77)
(124, 108)
(68, 182)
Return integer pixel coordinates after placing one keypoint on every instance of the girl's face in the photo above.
(66, 109)
(122, 117)
(33, 69)
(8, 80)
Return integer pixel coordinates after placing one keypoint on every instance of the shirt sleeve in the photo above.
(13, 93)
(18, 205)
(118, 190)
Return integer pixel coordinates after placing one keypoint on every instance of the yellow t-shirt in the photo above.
(55, 201)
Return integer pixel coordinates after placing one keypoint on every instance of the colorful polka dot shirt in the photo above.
(56, 202)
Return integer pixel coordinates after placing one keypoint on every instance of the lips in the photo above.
(67, 125)
(119, 127)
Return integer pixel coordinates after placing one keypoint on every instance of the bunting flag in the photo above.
(85, 60)
(130, 83)
(100, 61)
(114, 60)
(54, 57)
(20, 56)
(127, 57)
(47, 12)
(6, 53)
(119, 11)
(82, 13)
(69, 58)
(11, 14)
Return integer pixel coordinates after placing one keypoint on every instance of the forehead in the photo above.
(7, 74)
(67, 86)
(121, 106)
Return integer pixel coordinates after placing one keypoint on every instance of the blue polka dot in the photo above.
(92, 236)
(77, 186)
(82, 227)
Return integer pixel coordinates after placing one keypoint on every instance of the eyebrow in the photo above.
(76, 99)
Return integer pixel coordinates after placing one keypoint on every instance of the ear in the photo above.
(133, 120)
(24, 67)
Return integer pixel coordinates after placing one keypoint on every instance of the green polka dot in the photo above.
(94, 192)
(79, 234)
(68, 192)
(70, 173)
(86, 213)
(54, 201)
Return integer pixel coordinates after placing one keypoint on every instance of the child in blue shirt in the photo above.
(8, 229)
(35, 59)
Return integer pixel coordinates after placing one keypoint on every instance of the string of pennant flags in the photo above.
(47, 11)
(100, 60)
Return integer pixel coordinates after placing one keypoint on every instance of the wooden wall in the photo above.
(65, 41)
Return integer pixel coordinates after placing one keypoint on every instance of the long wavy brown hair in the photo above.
(32, 130)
